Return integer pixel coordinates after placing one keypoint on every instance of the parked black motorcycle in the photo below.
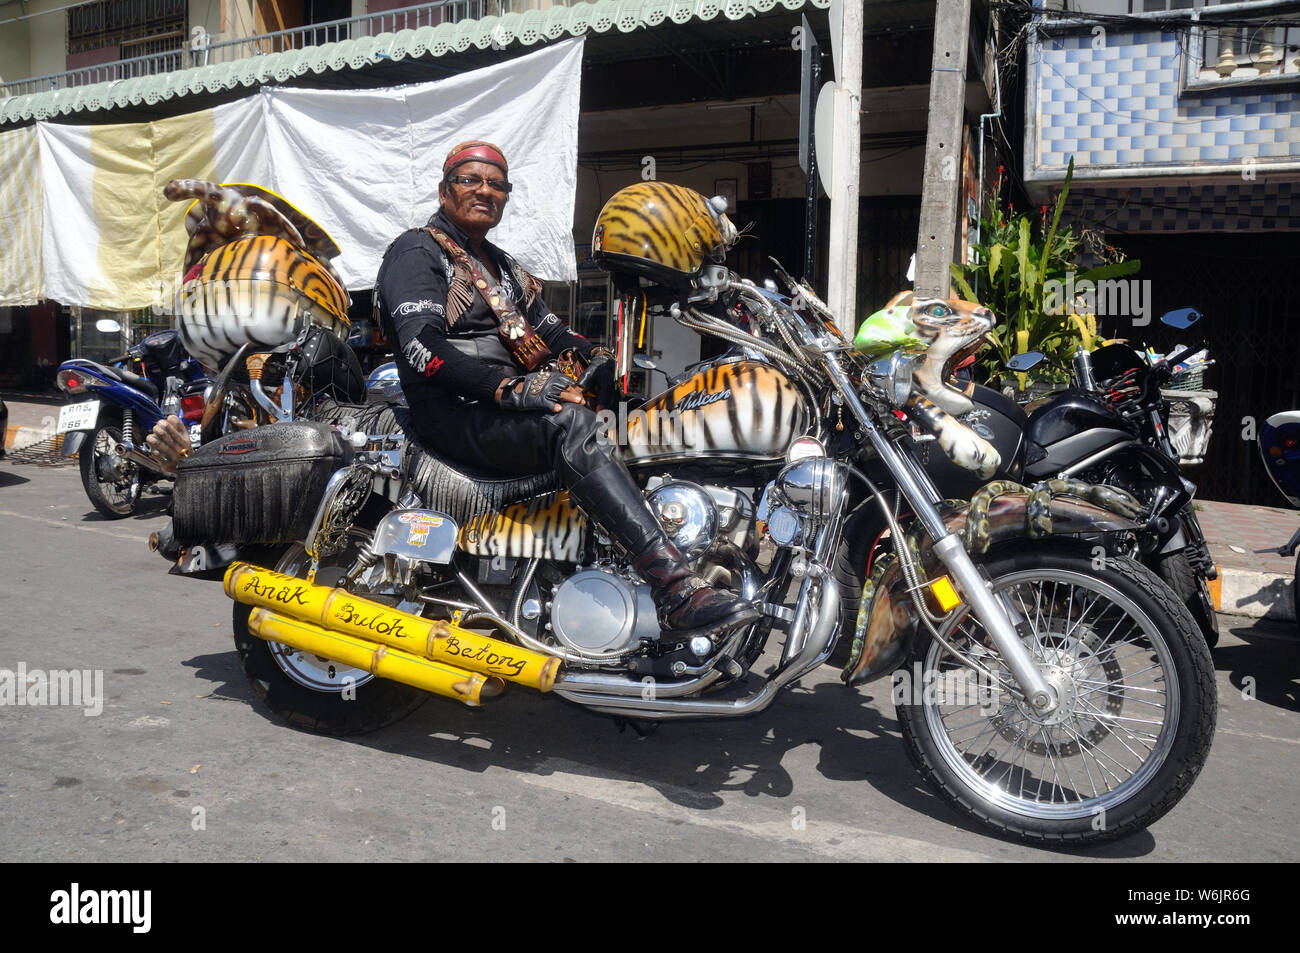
(1109, 427)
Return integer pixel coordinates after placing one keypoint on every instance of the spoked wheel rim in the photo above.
(1118, 711)
(118, 479)
(312, 671)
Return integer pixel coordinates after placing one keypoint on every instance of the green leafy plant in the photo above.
(1016, 263)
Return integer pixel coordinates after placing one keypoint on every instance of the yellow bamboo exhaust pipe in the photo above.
(337, 611)
(380, 660)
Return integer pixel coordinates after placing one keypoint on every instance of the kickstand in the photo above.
(643, 729)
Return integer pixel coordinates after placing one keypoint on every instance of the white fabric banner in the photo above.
(366, 164)
(104, 245)
(70, 236)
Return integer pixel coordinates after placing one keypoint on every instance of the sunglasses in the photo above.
(496, 185)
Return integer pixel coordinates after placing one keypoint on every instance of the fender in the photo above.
(72, 441)
(887, 620)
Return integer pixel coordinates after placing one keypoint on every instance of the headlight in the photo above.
(812, 486)
(890, 378)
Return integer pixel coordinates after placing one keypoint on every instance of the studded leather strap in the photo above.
(516, 331)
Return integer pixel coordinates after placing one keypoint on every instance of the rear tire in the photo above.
(113, 488)
(310, 692)
(1129, 662)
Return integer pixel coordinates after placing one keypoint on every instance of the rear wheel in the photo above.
(315, 693)
(1136, 702)
(112, 482)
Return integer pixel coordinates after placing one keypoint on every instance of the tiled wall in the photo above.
(1118, 107)
(1249, 207)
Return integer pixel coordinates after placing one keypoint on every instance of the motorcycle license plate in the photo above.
(80, 416)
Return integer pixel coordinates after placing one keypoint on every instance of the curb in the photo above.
(1256, 595)
(19, 438)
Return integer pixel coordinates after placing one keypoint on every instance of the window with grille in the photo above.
(138, 26)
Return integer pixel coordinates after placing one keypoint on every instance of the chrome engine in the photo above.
(601, 611)
(606, 611)
(699, 518)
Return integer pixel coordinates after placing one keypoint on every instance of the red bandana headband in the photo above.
(475, 151)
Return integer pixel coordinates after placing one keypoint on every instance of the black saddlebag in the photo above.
(258, 486)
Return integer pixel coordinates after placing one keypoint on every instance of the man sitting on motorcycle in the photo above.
(474, 344)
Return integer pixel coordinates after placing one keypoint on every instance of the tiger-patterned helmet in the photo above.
(660, 231)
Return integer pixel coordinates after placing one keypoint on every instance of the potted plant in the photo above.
(1020, 273)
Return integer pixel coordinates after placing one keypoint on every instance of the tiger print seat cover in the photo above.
(499, 514)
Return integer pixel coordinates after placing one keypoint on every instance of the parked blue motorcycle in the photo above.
(127, 396)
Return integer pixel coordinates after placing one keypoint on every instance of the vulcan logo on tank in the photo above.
(698, 399)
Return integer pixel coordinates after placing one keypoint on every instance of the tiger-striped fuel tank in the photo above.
(261, 289)
(740, 410)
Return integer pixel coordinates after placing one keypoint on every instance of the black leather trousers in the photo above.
(568, 443)
(486, 437)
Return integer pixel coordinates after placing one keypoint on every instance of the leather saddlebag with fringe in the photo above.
(257, 486)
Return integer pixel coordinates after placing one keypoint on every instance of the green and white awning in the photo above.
(529, 28)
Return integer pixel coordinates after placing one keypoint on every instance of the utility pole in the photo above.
(941, 187)
(846, 163)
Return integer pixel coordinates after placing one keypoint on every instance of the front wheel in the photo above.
(1135, 713)
(112, 482)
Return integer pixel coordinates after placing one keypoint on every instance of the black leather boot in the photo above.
(687, 605)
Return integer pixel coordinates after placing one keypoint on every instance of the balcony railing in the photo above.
(1257, 44)
(203, 51)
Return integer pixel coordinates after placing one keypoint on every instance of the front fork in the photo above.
(950, 550)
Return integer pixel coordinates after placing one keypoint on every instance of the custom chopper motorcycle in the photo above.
(1067, 695)
(261, 302)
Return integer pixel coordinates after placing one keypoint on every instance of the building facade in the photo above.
(1184, 128)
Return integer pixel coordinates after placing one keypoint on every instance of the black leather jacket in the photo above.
(437, 359)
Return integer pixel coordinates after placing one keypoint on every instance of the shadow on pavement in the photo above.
(1266, 666)
(690, 764)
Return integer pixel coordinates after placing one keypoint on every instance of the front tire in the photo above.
(1137, 711)
(1177, 572)
(311, 692)
(112, 484)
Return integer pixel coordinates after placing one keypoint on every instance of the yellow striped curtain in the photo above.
(22, 278)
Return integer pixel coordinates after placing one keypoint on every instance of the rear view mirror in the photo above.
(107, 326)
(1181, 318)
(1026, 361)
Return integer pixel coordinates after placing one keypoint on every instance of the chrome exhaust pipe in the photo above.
(140, 458)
